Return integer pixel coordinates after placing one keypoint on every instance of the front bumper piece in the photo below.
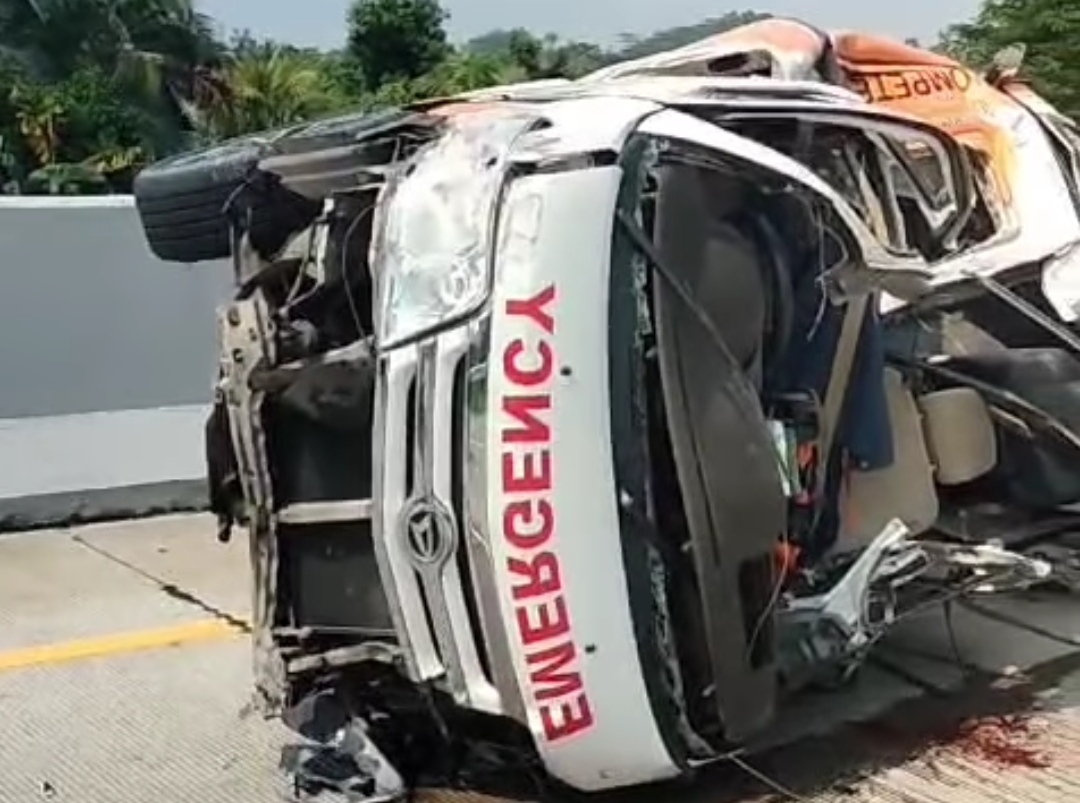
(339, 757)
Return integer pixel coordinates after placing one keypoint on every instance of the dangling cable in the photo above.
(762, 778)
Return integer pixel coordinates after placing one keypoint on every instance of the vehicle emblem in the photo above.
(429, 533)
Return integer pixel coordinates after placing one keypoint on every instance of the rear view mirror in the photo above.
(1006, 63)
(1011, 58)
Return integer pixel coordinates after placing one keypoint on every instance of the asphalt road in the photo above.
(122, 680)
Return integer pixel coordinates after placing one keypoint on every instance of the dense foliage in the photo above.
(91, 90)
(1049, 28)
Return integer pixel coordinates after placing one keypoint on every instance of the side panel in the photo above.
(553, 504)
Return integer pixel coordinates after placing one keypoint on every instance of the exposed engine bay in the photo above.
(573, 434)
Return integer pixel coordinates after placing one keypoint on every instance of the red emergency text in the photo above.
(529, 520)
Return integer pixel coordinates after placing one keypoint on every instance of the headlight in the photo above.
(432, 255)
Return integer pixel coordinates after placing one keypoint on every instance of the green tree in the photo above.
(78, 132)
(395, 40)
(551, 57)
(269, 89)
(461, 72)
(91, 89)
(66, 179)
(98, 121)
(464, 72)
(55, 37)
(340, 69)
(1049, 28)
(161, 54)
(539, 58)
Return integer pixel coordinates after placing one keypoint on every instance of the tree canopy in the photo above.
(394, 40)
(1049, 28)
(91, 90)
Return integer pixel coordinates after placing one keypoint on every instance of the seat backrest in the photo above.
(959, 435)
(904, 490)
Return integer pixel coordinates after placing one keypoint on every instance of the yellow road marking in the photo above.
(118, 644)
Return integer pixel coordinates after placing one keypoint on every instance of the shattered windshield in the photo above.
(919, 171)
(899, 182)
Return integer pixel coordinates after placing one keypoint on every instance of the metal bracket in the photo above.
(838, 627)
(847, 603)
(1064, 565)
(246, 342)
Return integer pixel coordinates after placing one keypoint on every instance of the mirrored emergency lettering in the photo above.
(552, 673)
(543, 621)
(527, 472)
(567, 719)
(527, 369)
(537, 576)
(530, 527)
(528, 426)
(528, 524)
(897, 85)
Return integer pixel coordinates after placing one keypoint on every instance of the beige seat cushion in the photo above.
(905, 490)
(959, 435)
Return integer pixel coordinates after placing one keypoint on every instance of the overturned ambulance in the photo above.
(579, 427)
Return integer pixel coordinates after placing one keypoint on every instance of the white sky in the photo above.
(300, 23)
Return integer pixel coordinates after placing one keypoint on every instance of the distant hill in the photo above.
(632, 47)
(495, 41)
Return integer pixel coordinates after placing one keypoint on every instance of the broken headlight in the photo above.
(432, 255)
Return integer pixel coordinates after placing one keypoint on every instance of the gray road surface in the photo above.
(90, 717)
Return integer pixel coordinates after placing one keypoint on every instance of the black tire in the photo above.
(182, 200)
(375, 142)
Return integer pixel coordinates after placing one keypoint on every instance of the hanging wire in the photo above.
(776, 786)
(773, 604)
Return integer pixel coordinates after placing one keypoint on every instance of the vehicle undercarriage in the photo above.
(793, 471)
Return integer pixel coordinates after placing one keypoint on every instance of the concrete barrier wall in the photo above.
(107, 357)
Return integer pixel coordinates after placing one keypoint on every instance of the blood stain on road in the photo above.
(1004, 741)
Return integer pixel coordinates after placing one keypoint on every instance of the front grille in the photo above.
(458, 456)
(421, 501)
